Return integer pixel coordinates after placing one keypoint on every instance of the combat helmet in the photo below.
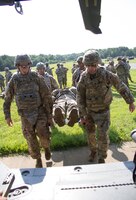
(111, 62)
(6, 69)
(40, 65)
(79, 59)
(22, 60)
(119, 58)
(91, 57)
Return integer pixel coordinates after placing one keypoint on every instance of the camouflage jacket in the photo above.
(30, 92)
(49, 70)
(50, 81)
(76, 76)
(94, 91)
(121, 69)
(111, 68)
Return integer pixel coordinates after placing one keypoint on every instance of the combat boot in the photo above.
(47, 154)
(73, 117)
(38, 163)
(101, 160)
(58, 117)
(93, 156)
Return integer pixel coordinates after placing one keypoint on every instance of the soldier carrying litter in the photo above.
(94, 96)
(34, 104)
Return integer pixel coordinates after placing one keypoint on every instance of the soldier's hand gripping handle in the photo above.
(9, 122)
(131, 107)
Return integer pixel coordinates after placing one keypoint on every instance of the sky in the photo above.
(57, 27)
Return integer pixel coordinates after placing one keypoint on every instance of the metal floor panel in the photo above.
(83, 182)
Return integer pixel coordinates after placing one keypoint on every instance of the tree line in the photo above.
(8, 61)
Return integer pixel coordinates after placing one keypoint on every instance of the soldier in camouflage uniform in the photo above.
(48, 69)
(126, 62)
(8, 74)
(74, 67)
(64, 75)
(94, 96)
(65, 106)
(77, 73)
(49, 79)
(59, 72)
(2, 85)
(34, 104)
(122, 71)
(110, 67)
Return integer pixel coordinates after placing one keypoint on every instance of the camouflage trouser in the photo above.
(2, 86)
(66, 106)
(31, 131)
(60, 81)
(64, 82)
(98, 142)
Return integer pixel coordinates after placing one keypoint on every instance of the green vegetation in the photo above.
(122, 122)
(8, 61)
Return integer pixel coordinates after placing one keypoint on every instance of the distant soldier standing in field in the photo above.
(64, 75)
(122, 71)
(74, 67)
(8, 74)
(59, 72)
(94, 96)
(110, 67)
(2, 85)
(34, 104)
(128, 67)
(48, 69)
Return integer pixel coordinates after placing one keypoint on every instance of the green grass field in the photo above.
(122, 122)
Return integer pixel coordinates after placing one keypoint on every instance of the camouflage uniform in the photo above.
(128, 68)
(64, 75)
(59, 72)
(2, 85)
(8, 75)
(74, 67)
(122, 71)
(111, 67)
(94, 96)
(49, 79)
(65, 106)
(34, 104)
(48, 69)
(77, 73)
(51, 82)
